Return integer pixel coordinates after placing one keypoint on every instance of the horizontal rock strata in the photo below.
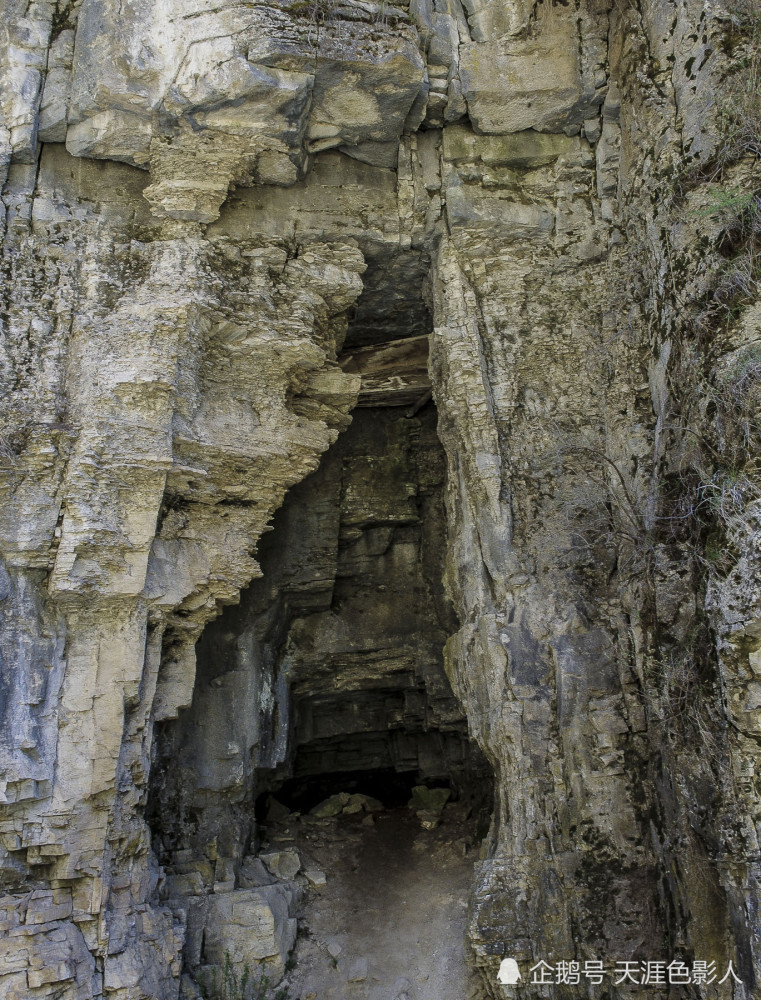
(226, 226)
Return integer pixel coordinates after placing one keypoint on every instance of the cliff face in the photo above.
(214, 214)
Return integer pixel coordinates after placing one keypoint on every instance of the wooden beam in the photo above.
(393, 374)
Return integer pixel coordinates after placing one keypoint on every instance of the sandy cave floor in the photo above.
(395, 903)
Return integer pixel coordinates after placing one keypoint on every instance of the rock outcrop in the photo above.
(224, 225)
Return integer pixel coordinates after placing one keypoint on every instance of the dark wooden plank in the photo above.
(394, 373)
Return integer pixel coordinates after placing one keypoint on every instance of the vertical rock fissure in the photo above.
(328, 679)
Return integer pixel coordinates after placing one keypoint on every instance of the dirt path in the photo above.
(394, 903)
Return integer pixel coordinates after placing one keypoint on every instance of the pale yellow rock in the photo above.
(508, 85)
(253, 925)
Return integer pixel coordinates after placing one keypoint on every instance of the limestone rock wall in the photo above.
(200, 383)
(543, 178)
(593, 652)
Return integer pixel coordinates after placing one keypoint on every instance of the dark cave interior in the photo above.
(329, 674)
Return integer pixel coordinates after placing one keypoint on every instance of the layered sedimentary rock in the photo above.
(200, 200)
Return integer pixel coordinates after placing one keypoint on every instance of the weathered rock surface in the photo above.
(204, 96)
(199, 201)
(253, 926)
(175, 428)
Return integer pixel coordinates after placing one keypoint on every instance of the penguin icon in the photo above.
(508, 974)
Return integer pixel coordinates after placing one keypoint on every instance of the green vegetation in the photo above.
(721, 386)
(727, 205)
(225, 984)
(740, 114)
(317, 11)
(735, 198)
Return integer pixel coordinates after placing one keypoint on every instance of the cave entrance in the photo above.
(303, 794)
(357, 690)
(381, 792)
(327, 682)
